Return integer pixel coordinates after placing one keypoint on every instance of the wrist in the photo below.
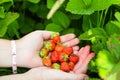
(5, 53)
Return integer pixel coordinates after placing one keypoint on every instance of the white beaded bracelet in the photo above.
(14, 64)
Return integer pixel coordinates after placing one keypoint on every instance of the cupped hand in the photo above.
(29, 46)
(78, 73)
(84, 58)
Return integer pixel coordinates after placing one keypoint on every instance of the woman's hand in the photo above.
(29, 46)
(78, 73)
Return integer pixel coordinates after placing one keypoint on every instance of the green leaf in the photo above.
(117, 2)
(93, 33)
(116, 23)
(27, 24)
(101, 4)
(2, 14)
(42, 11)
(69, 30)
(114, 45)
(117, 16)
(87, 2)
(34, 1)
(111, 28)
(54, 27)
(90, 21)
(87, 24)
(61, 19)
(9, 18)
(13, 30)
(104, 61)
(74, 16)
(33, 8)
(115, 73)
(39, 26)
(3, 1)
(50, 3)
(79, 7)
(87, 6)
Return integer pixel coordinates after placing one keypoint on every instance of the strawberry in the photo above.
(68, 50)
(59, 48)
(47, 61)
(43, 52)
(62, 57)
(65, 67)
(49, 45)
(56, 66)
(55, 37)
(74, 58)
(54, 56)
(71, 65)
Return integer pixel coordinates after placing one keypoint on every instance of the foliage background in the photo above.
(94, 22)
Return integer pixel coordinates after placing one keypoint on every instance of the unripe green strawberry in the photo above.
(49, 45)
(43, 52)
(56, 66)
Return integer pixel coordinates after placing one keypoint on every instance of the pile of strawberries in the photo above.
(57, 56)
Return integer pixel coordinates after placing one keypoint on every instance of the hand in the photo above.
(78, 73)
(29, 46)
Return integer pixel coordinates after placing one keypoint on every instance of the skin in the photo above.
(28, 48)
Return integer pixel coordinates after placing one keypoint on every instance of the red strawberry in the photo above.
(43, 52)
(71, 65)
(54, 56)
(62, 57)
(55, 37)
(59, 48)
(47, 61)
(68, 50)
(74, 58)
(49, 45)
(56, 66)
(65, 67)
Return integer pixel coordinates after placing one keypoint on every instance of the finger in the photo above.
(76, 48)
(89, 57)
(80, 51)
(67, 37)
(71, 42)
(75, 52)
(83, 68)
(85, 52)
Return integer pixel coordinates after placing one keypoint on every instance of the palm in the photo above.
(33, 42)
